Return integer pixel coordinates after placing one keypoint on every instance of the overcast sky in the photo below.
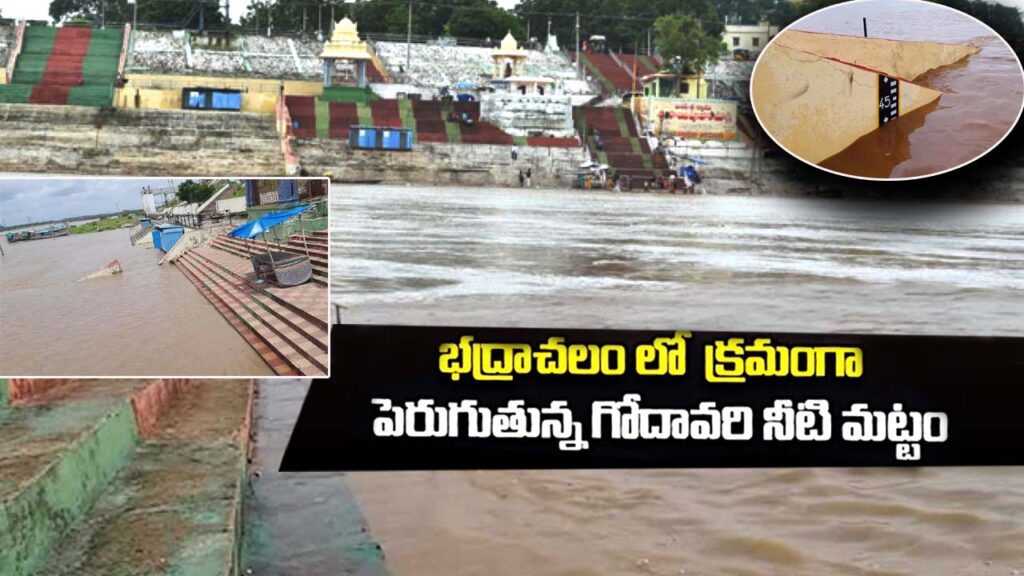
(40, 9)
(43, 200)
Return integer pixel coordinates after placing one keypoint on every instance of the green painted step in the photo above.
(323, 119)
(407, 115)
(620, 117)
(15, 93)
(348, 94)
(365, 114)
(55, 461)
(35, 51)
(175, 508)
(97, 96)
(596, 73)
(102, 58)
(646, 61)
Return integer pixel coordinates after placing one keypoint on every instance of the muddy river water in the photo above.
(572, 259)
(148, 321)
(981, 95)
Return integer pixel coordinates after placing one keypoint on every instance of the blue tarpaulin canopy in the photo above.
(259, 226)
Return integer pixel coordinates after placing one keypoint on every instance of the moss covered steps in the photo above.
(176, 507)
(74, 457)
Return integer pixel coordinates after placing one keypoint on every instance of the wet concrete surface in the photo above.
(306, 524)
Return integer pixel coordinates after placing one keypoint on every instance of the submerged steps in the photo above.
(285, 327)
(818, 93)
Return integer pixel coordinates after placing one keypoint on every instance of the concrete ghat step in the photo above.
(300, 525)
(176, 507)
(58, 450)
(264, 328)
(318, 261)
(273, 358)
(317, 321)
(294, 330)
(312, 328)
(320, 269)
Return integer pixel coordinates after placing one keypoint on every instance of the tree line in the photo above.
(626, 24)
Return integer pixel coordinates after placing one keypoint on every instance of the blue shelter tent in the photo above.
(259, 226)
(287, 267)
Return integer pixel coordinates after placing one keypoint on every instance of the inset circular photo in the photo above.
(888, 89)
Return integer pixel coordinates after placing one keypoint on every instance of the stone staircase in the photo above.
(123, 477)
(623, 149)
(77, 139)
(315, 245)
(68, 65)
(165, 478)
(287, 327)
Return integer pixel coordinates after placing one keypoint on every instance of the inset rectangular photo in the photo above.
(171, 277)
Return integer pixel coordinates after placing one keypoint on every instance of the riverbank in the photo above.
(106, 223)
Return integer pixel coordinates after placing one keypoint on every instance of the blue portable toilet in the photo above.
(145, 222)
(367, 137)
(166, 236)
(391, 139)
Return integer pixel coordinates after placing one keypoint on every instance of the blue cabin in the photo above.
(165, 236)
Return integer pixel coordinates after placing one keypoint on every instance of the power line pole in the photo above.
(408, 40)
(549, 30)
(648, 42)
(579, 69)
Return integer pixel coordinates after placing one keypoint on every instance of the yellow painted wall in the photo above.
(158, 91)
(3, 75)
(815, 107)
(895, 57)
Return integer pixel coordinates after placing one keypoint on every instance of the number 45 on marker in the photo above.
(888, 99)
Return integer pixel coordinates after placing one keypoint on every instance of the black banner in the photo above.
(402, 398)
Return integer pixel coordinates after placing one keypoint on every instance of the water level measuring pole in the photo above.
(865, 20)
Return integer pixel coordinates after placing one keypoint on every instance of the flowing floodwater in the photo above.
(150, 320)
(599, 259)
(981, 96)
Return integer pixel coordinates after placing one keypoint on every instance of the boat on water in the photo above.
(53, 231)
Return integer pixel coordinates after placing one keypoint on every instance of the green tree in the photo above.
(685, 45)
(198, 192)
(179, 14)
(483, 21)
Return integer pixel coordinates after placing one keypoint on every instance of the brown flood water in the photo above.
(148, 321)
(453, 256)
(981, 95)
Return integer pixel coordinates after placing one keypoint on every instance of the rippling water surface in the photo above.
(559, 258)
(148, 321)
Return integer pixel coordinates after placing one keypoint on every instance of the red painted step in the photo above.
(64, 66)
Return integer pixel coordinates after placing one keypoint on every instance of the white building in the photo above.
(752, 37)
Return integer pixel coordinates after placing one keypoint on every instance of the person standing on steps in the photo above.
(529, 177)
(515, 152)
(522, 179)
